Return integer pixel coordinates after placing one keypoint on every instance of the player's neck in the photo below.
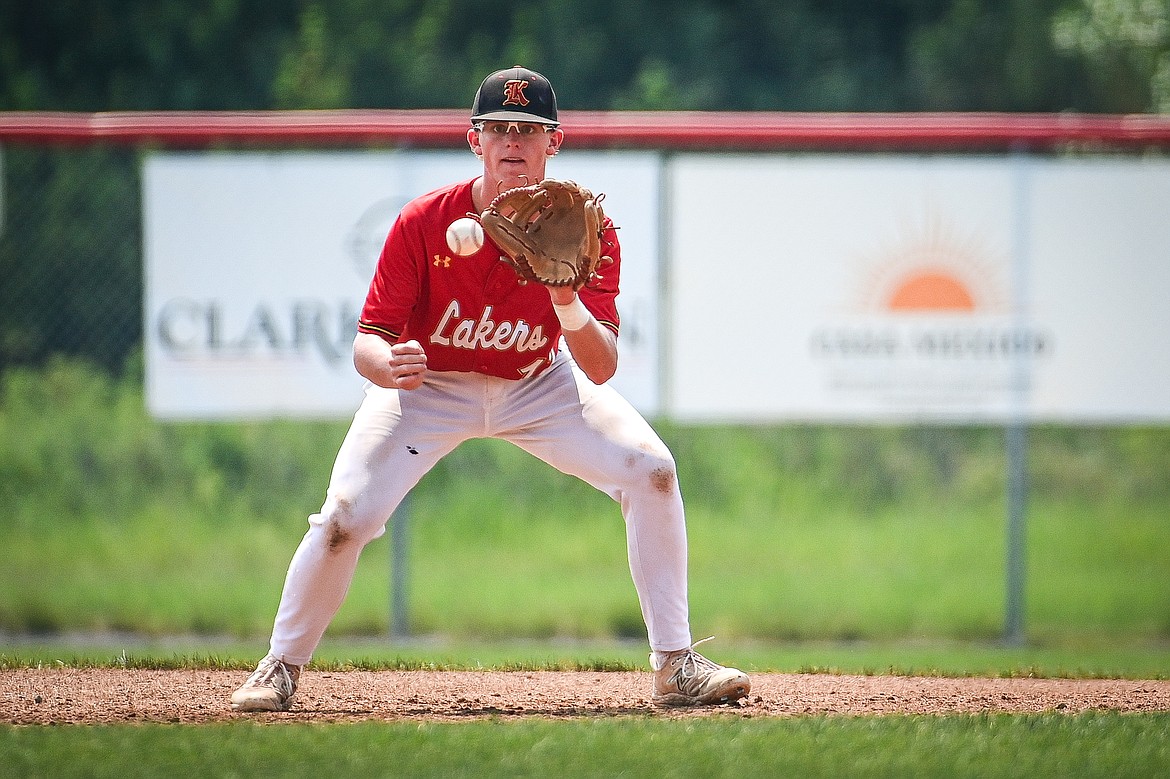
(485, 189)
(479, 194)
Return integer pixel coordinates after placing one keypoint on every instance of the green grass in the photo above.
(908, 658)
(798, 534)
(790, 576)
(1084, 745)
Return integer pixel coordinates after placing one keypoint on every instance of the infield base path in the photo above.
(90, 696)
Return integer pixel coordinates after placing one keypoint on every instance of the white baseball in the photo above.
(465, 236)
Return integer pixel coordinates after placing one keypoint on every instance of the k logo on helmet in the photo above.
(514, 92)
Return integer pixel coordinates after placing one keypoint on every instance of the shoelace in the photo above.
(270, 668)
(691, 663)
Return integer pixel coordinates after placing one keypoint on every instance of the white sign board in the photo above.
(849, 287)
(257, 265)
(900, 288)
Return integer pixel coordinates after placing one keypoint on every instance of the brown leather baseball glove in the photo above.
(550, 232)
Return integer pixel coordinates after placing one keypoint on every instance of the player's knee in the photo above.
(664, 479)
(655, 466)
(343, 525)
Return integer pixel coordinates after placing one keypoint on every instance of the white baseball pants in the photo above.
(578, 427)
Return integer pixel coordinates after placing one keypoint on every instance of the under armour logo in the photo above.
(514, 92)
(442, 262)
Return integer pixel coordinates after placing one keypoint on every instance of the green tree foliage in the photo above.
(981, 56)
(140, 54)
(906, 55)
(1126, 44)
(314, 72)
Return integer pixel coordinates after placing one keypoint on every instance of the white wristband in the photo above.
(573, 315)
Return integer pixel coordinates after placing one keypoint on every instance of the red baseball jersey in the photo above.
(472, 313)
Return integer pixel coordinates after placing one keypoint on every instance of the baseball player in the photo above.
(459, 347)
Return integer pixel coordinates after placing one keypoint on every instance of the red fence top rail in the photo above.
(669, 130)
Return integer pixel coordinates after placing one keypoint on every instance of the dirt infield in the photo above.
(88, 696)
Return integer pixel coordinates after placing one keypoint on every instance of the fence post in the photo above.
(1017, 498)
(399, 575)
(1016, 431)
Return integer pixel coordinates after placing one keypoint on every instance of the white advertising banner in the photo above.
(879, 288)
(846, 288)
(257, 265)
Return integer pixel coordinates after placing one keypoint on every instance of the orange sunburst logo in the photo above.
(934, 268)
(931, 290)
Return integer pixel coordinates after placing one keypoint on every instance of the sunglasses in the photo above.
(503, 128)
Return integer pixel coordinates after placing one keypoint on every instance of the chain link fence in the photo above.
(72, 281)
(71, 256)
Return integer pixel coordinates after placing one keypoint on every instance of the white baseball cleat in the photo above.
(686, 678)
(270, 687)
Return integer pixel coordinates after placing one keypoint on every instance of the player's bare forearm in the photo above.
(397, 366)
(594, 348)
